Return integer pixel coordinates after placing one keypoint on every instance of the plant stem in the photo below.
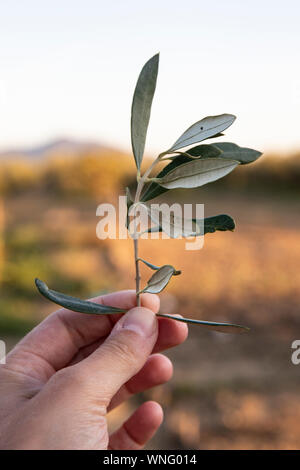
(141, 182)
(143, 179)
(137, 271)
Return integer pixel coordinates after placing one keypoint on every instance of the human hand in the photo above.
(61, 380)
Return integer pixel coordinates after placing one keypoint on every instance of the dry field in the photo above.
(228, 392)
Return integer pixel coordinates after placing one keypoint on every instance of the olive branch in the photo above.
(190, 168)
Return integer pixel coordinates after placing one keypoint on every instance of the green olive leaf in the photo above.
(200, 151)
(216, 326)
(160, 279)
(197, 173)
(74, 304)
(204, 129)
(232, 151)
(222, 222)
(150, 265)
(174, 225)
(154, 189)
(204, 150)
(141, 107)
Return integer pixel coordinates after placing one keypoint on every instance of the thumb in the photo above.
(122, 354)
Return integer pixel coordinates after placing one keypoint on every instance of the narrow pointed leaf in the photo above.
(204, 129)
(141, 107)
(216, 326)
(232, 151)
(154, 189)
(160, 279)
(197, 173)
(72, 303)
(84, 306)
(150, 265)
(174, 225)
(208, 151)
(222, 222)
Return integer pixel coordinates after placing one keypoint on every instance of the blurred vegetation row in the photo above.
(47, 230)
(92, 173)
(103, 173)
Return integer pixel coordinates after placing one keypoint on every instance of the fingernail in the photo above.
(140, 320)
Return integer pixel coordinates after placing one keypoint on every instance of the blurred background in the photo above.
(68, 71)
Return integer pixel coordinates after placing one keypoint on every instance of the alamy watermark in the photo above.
(295, 357)
(2, 352)
(152, 221)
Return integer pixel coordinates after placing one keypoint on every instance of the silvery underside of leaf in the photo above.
(141, 107)
(197, 173)
(204, 129)
(173, 225)
(160, 279)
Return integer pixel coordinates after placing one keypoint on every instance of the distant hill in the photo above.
(65, 146)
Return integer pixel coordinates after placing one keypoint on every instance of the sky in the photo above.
(69, 68)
